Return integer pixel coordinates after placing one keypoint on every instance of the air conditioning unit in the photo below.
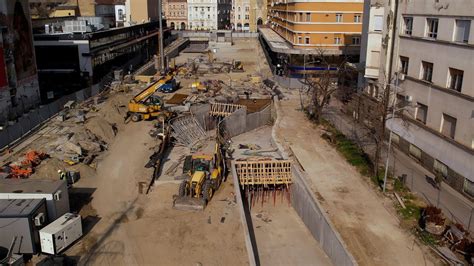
(57, 195)
(408, 98)
(39, 219)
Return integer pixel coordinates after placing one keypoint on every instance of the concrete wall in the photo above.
(312, 215)
(240, 122)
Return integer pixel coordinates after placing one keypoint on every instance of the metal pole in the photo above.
(470, 219)
(390, 138)
(160, 37)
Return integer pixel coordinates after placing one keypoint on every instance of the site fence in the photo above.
(207, 34)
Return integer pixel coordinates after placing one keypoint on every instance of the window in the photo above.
(378, 23)
(448, 126)
(306, 40)
(301, 16)
(357, 18)
(238, 16)
(461, 34)
(415, 151)
(441, 168)
(427, 71)
(338, 17)
(246, 16)
(395, 139)
(432, 27)
(356, 40)
(308, 17)
(300, 40)
(337, 40)
(247, 8)
(208, 9)
(404, 64)
(208, 16)
(455, 79)
(421, 112)
(196, 9)
(408, 23)
(468, 187)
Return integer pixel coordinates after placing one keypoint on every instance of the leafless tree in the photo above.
(319, 87)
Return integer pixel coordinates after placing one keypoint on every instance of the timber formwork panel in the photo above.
(268, 172)
(224, 109)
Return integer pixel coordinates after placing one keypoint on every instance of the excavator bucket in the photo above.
(188, 204)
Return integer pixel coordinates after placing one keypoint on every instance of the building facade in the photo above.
(334, 26)
(141, 11)
(202, 14)
(241, 15)
(429, 63)
(224, 8)
(19, 90)
(176, 14)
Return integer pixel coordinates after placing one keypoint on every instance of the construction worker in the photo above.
(62, 175)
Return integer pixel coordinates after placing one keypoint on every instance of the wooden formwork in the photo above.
(224, 109)
(267, 172)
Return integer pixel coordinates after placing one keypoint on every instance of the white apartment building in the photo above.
(432, 70)
(202, 14)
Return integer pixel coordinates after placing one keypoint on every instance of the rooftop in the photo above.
(30, 186)
(18, 207)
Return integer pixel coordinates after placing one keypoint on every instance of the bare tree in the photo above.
(320, 86)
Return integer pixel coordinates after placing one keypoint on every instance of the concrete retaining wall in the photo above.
(240, 122)
(35, 118)
(310, 212)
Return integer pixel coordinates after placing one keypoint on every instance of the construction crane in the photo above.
(146, 104)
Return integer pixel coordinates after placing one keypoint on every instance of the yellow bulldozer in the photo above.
(146, 104)
(204, 176)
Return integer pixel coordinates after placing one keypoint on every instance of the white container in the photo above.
(61, 233)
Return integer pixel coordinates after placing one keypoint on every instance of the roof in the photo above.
(61, 222)
(30, 186)
(19, 207)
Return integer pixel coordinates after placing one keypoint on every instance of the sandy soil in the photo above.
(371, 232)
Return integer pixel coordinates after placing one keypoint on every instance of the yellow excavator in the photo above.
(204, 176)
(146, 104)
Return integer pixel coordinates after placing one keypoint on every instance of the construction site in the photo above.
(204, 164)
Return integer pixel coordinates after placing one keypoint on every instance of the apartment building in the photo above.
(176, 13)
(334, 26)
(429, 65)
(241, 15)
(258, 14)
(202, 14)
(224, 8)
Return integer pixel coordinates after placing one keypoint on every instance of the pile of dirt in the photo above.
(48, 169)
(101, 128)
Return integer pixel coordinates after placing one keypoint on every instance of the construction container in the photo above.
(54, 191)
(20, 222)
(58, 235)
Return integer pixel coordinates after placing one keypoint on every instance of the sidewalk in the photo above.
(454, 205)
(362, 218)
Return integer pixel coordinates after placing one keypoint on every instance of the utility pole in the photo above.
(160, 38)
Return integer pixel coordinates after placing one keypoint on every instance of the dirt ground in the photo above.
(365, 220)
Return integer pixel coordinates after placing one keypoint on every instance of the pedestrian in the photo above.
(62, 175)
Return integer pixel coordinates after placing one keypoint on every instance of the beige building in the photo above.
(176, 13)
(139, 11)
(432, 72)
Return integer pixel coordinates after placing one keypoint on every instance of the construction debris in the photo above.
(187, 131)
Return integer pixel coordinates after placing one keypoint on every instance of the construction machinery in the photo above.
(198, 86)
(204, 176)
(237, 66)
(146, 104)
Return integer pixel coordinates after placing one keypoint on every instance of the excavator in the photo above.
(204, 176)
(146, 105)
